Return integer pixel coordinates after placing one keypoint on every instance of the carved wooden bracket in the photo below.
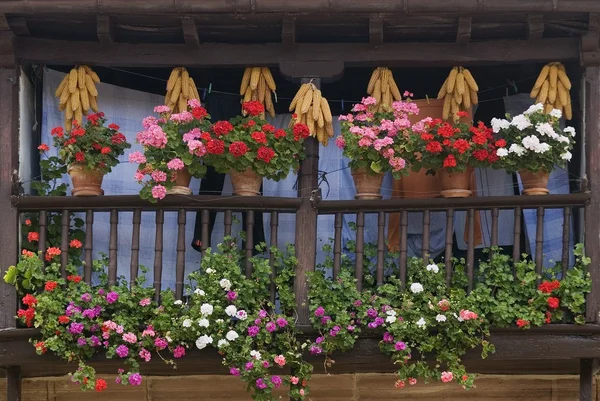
(328, 71)
(463, 35)
(590, 42)
(190, 32)
(104, 30)
(376, 31)
(535, 26)
(288, 31)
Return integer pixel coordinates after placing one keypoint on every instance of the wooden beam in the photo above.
(463, 35)
(328, 71)
(376, 31)
(360, 54)
(19, 26)
(104, 30)
(190, 32)
(288, 31)
(586, 380)
(535, 27)
(13, 383)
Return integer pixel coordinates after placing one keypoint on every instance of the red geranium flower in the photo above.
(70, 141)
(522, 323)
(301, 131)
(51, 253)
(100, 385)
(205, 136)
(114, 126)
(461, 145)
(462, 114)
(27, 253)
(553, 303)
(40, 347)
(434, 147)
(79, 156)
(215, 147)
(265, 154)
(427, 137)
(96, 146)
(238, 149)
(280, 134)
(480, 154)
(28, 315)
(548, 318)
(75, 243)
(446, 130)
(64, 319)
(500, 143)
(75, 279)
(27, 222)
(259, 137)
(33, 236)
(78, 132)
(29, 300)
(222, 127)
(43, 147)
(253, 108)
(105, 150)
(251, 123)
(50, 285)
(199, 113)
(118, 138)
(58, 132)
(268, 128)
(450, 161)
(548, 286)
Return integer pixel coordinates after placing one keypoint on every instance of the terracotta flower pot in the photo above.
(86, 182)
(368, 186)
(182, 183)
(245, 183)
(534, 183)
(456, 185)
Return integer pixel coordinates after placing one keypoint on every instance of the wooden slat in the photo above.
(13, 383)
(288, 31)
(566, 244)
(376, 31)
(135, 246)
(89, 246)
(65, 221)
(449, 244)
(34, 50)
(205, 232)
(180, 261)
(495, 215)
(104, 30)
(586, 380)
(158, 253)
(463, 35)
(43, 224)
(380, 247)
(425, 249)
(337, 244)
(517, 235)
(113, 244)
(227, 221)
(471, 247)
(539, 240)
(360, 246)
(403, 247)
(190, 32)
(249, 241)
(273, 242)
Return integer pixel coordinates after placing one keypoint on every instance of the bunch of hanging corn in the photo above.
(552, 89)
(312, 109)
(383, 88)
(77, 94)
(180, 88)
(258, 84)
(459, 92)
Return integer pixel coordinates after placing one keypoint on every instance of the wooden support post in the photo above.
(463, 35)
(306, 221)
(586, 380)
(592, 225)
(104, 30)
(288, 32)
(13, 383)
(190, 32)
(9, 145)
(376, 31)
(535, 27)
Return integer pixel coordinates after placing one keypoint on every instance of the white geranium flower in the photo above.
(210, 271)
(225, 284)
(566, 156)
(390, 312)
(502, 152)
(542, 148)
(169, 339)
(198, 291)
(416, 288)
(556, 113)
(242, 315)
(203, 341)
(203, 322)
(206, 309)
(187, 323)
(421, 323)
(231, 310)
(499, 124)
(255, 354)
(219, 321)
(178, 302)
(433, 268)
(390, 319)
(231, 335)
(521, 122)
(570, 130)
(546, 129)
(222, 343)
(530, 142)
(534, 109)
(563, 139)
(440, 318)
(518, 149)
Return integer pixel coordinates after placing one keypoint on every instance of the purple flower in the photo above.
(101, 291)
(262, 314)
(385, 308)
(122, 351)
(388, 337)
(89, 313)
(319, 311)
(266, 364)
(135, 379)
(276, 380)
(86, 297)
(111, 298)
(372, 325)
(336, 329)
(232, 295)
(257, 321)
(357, 303)
(179, 352)
(253, 331)
(281, 322)
(379, 321)
(72, 309)
(260, 384)
(81, 342)
(249, 365)
(350, 328)
(319, 340)
(400, 346)
(315, 350)
(332, 333)
(94, 328)
(325, 319)
(271, 327)
(95, 341)
(372, 313)
(76, 328)
(160, 343)
(234, 371)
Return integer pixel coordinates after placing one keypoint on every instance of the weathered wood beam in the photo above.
(288, 31)
(13, 383)
(104, 30)
(376, 31)
(535, 26)
(190, 32)
(463, 35)
(586, 380)
(19, 27)
(360, 54)
(590, 42)
(327, 71)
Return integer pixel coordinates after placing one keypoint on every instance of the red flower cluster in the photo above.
(548, 286)
(450, 161)
(50, 285)
(105, 150)
(51, 253)
(33, 236)
(117, 138)
(77, 131)
(114, 126)
(43, 147)
(29, 300)
(100, 385)
(79, 156)
(58, 132)
(222, 128)
(199, 112)
(268, 128)
(93, 118)
(215, 147)
(75, 243)
(553, 303)
(279, 133)
(434, 147)
(28, 315)
(40, 347)
(301, 132)
(259, 137)
(75, 279)
(238, 149)
(253, 108)
(64, 319)
(205, 136)
(27, 253)
(522, 323)
(265, 154)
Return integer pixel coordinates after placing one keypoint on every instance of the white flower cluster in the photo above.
(391, 316)
(203, 341)
(433, 268)
(416, 288)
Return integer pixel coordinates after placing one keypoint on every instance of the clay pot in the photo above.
(245, 183)
(368, 186)
(456, 185)
(86, 182)
(182, 183)
(534, 183)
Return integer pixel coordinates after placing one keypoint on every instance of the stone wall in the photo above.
(359, 387)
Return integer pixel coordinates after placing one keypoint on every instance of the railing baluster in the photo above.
(112, 247)
(425, 245)
(180, 261)
(273, 242)
(566, 244)
(42, 238)
(135, 246)
(403, 247)
(205, 234)
(517, 236)
(249, 241)
(337, 245)
(89, 246)
(360, 242)
(495, 215)
(449, 243)
(471, 247)
(539, 240)
(227, 221)
(64, 242)
(380, 247)
(158, 253)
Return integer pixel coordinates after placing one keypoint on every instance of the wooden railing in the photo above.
(570, 204)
